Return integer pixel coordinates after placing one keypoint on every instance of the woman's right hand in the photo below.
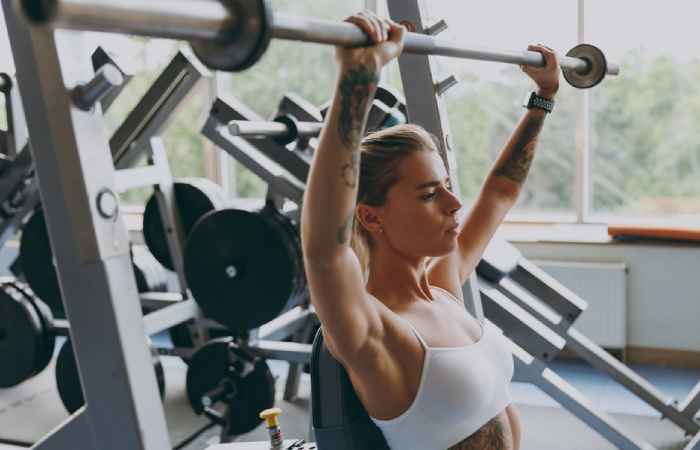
(386, 35)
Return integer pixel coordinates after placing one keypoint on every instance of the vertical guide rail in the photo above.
(90, 245)
(426, 108)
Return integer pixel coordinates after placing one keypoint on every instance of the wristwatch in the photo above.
(532, 100)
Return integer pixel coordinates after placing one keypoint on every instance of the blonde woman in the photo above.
(386, 256)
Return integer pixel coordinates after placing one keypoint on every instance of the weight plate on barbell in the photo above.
(21, 337)
(243, 268)
(220, 362)
(597, 67)
(68, 379)
(243, 41)
(194, 198)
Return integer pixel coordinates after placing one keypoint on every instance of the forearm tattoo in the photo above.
(491, 436)
(356, 91)
(518, 163)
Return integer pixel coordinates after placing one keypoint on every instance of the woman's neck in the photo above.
(398, 281)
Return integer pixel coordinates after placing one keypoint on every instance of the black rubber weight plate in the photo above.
(68, 380)
(192, 204)
(36, 260)
(20, 337)
(255, 392)
(48, 338)
(238, 269)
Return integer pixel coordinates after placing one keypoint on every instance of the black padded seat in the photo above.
(340, 422)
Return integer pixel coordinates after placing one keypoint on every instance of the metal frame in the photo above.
(544, 298)
(90, 244)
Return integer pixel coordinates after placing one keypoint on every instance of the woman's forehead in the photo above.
(423, 166)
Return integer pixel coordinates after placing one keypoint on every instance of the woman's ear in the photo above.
(368, 218)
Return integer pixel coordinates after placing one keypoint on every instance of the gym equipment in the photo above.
(36, 260)
(234, 35)
(286, 129)
(283, 130)
(266, 157)
(26, 346)
(223, 373)
(245, 268)
(68, 380)
(150, 275)
(195, 198)
(15, 137)
(503, 269)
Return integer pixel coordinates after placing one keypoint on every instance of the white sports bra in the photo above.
(460, 390)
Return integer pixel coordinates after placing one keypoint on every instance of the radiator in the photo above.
(604, 287)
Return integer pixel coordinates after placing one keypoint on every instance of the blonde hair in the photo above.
(381, 152)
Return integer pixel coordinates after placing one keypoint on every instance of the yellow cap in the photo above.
(270, 416)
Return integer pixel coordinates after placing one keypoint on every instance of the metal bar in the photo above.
(327, 32)
(168, 317)
(91, 251)
(641, 388)
(691, 404)
(255, 129)
(210, 19)
(284, 351)
(576, 403)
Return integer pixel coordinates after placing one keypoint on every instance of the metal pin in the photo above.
(436, 28)
(446, 84)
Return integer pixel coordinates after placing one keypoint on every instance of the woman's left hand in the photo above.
(547, 77)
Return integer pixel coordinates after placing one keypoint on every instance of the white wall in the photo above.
(663, 290)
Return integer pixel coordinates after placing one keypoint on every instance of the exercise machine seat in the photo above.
(340, 422)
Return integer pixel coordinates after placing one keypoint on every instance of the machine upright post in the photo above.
(90, 245)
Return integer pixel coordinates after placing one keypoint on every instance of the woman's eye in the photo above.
(429, 196)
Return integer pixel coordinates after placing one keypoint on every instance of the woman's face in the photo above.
(420, 214)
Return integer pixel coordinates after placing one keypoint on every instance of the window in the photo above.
(304, 69)
(486, 105)
(189, 153)
(645, 142)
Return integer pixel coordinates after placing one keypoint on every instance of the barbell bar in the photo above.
(283, 129)
(233, 34)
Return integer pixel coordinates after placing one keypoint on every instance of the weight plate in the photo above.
(597, 67)
(48, 337)
(21, 337)
(36, 260)
(220, 362)
(240, 268)
(194, 198)
(244, 40)
(68, 380)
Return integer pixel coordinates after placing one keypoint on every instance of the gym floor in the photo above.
(33, 408)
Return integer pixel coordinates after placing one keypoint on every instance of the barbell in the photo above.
(232, 35)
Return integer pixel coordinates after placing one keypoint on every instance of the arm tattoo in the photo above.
(491, 436)
(517, 165)
(343, 234)
(351, 170)
(356, 88)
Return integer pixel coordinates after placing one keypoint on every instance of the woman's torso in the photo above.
(388, 385)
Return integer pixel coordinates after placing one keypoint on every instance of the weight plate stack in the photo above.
(244, 268)
(194, 198)
(243, 382)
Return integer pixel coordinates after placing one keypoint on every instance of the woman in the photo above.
(386, 257)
